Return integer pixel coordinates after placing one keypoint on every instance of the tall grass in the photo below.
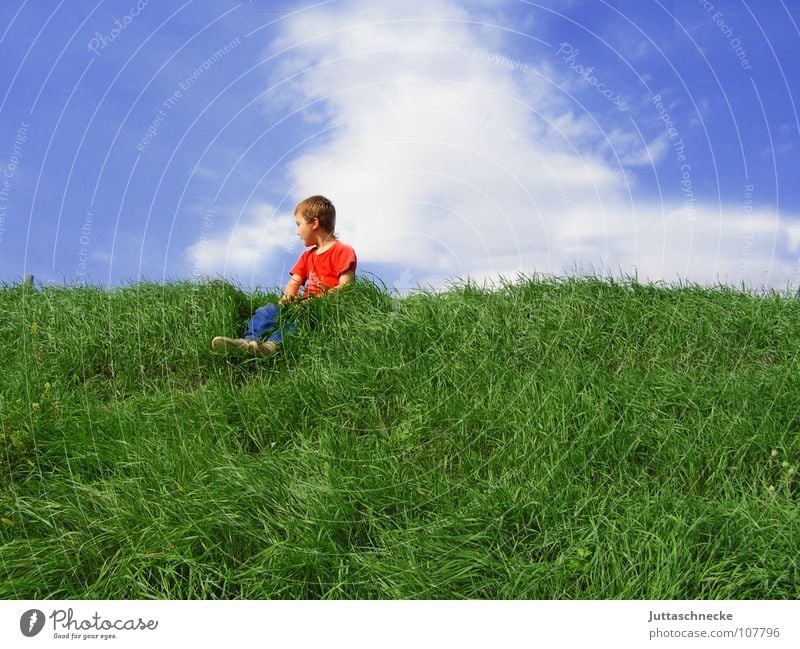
(546, 439)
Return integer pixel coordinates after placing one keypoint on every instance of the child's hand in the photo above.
(294, 300)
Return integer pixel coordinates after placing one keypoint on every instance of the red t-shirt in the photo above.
(323, 271)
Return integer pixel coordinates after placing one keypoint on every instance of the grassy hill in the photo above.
(550, 439)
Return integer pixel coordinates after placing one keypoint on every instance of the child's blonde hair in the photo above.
(318, 207)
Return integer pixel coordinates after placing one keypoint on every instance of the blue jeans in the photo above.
(265, 320)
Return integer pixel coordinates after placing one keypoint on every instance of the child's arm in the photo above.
(294, 284)
(292, 287)
(345, 277)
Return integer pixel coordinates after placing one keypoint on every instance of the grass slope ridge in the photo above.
(547, 439)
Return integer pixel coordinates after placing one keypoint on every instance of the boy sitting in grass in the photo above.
(328, 265)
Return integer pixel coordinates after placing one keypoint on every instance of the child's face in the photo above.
(306, 229)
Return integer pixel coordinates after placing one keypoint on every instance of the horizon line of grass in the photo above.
(500, 282)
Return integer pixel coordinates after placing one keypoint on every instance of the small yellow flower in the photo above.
(47, 387)
(774, 452)
(785, 464)
(34, 329)
(771, 488)
(35, 405)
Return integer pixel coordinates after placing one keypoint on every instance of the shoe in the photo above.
(252, 347)
(222, 343)
(257, 348)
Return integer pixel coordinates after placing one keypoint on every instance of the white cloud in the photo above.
(730, 246)
(243, 247)
(447, 156)
(627, 148)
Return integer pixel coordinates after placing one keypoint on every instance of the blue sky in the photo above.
(171, 140)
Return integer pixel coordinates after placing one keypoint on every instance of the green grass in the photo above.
(547, 439)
